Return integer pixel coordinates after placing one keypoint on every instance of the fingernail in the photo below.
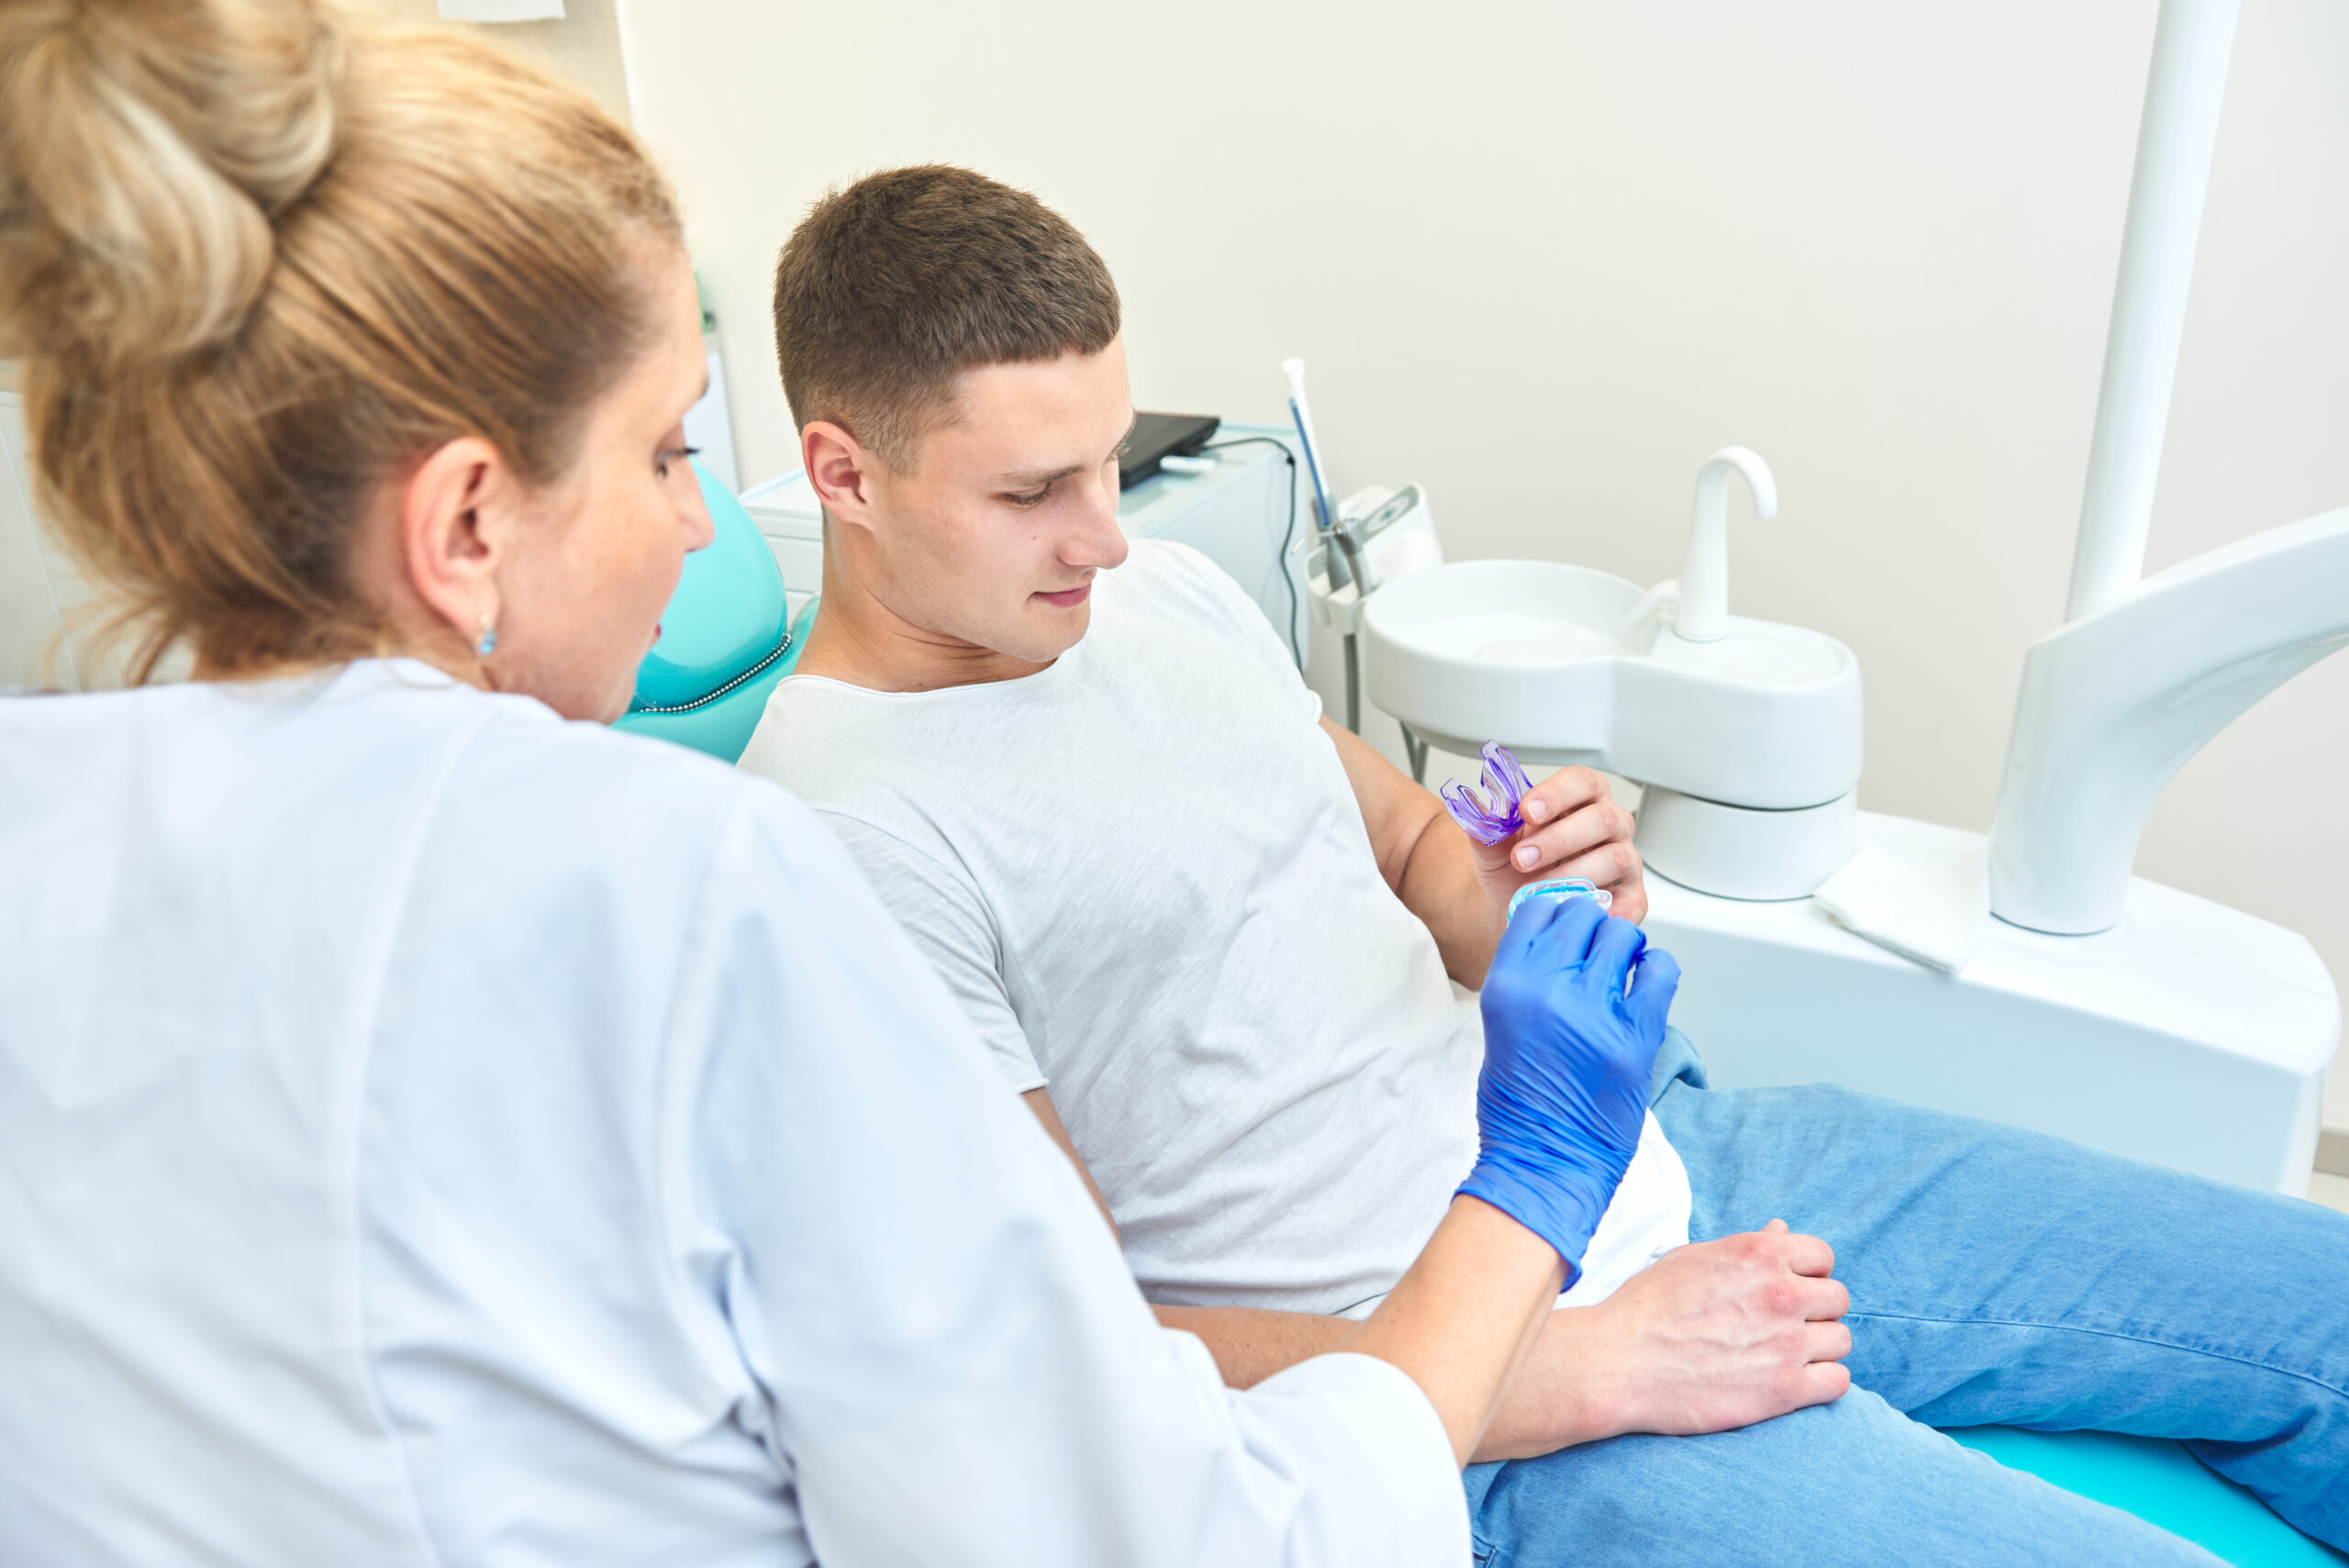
(1525, 856)
(1536, 809)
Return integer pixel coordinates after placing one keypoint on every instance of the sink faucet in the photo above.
(1704, 575)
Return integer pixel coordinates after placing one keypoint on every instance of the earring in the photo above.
(487, 643)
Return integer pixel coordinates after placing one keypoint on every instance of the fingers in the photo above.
(1551, 934)
(1492, 860)
(1614, 950)
(1562, 793)
(1813, 1260)
(1808, 1254)
(1654, 985)
(1631, 899)
(1595, 841)
(1577, 921)
(1528, 927)
(1822, 1382)
(1826, 1341)
(1821, 1300)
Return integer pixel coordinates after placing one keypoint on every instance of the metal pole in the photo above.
(1344, 542)
(2185, 89)
(1354, 686)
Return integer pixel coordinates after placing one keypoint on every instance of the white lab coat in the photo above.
(434, 1133)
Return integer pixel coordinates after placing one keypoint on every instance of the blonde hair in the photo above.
(257, 257)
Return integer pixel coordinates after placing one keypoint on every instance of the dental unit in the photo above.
(2084, 1002)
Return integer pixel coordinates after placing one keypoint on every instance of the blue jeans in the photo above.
(1997, 1277)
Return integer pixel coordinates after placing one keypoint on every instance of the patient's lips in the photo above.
(1068, 598)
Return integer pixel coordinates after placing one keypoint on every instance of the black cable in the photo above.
(1289, 532)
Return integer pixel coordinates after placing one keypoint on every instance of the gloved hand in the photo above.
(1567, 1058)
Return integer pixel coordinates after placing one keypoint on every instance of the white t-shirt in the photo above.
(434, 1133)
(1142, 873)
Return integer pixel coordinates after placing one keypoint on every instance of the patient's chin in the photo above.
(1042, 637)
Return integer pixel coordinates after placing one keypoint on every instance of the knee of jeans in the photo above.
(1676, 1062)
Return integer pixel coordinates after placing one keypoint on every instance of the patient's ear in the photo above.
(839, 471)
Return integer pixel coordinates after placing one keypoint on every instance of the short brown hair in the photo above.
(257, 257)
(890, 288)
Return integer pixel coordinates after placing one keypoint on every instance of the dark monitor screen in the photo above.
(1158, 435)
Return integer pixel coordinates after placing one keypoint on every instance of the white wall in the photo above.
(582, 45)
(29, 619)
(1544, 257)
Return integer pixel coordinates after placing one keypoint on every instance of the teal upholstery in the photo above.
(725, 639)
(2160, 1482)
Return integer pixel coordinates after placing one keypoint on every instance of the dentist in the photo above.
(437, 1129)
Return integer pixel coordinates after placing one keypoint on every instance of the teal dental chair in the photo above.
(725, 639)
(2160, 1482)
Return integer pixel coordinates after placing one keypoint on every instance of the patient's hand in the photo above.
(1716, 1335)
(1573, 827)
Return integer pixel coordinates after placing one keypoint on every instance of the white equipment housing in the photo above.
(2100, 1007)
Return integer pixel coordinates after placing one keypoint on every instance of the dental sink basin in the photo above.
(1745, 733)
(1514, 613)
(1521, 651)
(1564, 664)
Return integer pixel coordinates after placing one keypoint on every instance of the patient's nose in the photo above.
(1098, 542)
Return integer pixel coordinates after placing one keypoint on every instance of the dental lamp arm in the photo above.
(2115, 702)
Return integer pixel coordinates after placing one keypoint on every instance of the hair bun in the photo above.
(145, 148)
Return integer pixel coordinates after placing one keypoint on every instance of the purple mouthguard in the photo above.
(1490, 814)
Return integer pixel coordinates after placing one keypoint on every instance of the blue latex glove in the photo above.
(1567, 1059)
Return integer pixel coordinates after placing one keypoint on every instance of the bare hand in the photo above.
(1573, 827)
(1718, 1335)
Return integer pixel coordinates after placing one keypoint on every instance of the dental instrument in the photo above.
(1345, 554)
(1301, 412)
(1394, 532)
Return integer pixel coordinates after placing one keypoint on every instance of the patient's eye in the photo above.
(1025, 498)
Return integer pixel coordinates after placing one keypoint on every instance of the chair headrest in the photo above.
(727, 615)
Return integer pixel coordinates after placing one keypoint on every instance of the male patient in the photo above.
(1213, 939)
